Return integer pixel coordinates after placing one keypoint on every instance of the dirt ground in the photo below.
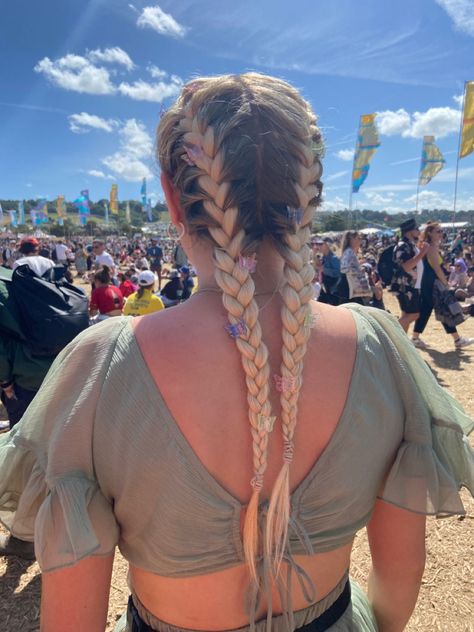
(446, 602)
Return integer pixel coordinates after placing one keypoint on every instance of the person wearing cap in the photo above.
(408, 272)
(143, 301)
(187, 282)
(29, 248)
(172, 292)
(155, 255)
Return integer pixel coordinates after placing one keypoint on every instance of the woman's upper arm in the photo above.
(76, 597)
(396, 539)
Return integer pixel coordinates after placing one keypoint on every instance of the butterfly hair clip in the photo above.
(248, 263)
(236, 329)
(295, 214)
(309, 321)
(265, 423)
(285, 384)
(192, 153)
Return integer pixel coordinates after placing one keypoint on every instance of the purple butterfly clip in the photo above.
(295, 214)
(236, 329)
(248, 263)
(192, 153)
(285, 384)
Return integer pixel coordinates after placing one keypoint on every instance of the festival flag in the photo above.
(127, 213)
(33, 217)
(13, 221)
(61, 206)
(82, 204)
(367, 143)
(143, 193)
(114, 200)
(1, 215)
(148, 210)
(40, 212)
(21, 212)
(106, 209)
(432, 160)
(467, 133)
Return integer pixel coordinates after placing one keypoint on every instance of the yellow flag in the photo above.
(467, 134)
(113, 200)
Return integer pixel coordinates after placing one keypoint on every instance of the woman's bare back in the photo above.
(197, 369)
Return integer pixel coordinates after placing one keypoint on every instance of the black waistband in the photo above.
(320, 624)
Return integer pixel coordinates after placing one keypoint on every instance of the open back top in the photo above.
(98, 460)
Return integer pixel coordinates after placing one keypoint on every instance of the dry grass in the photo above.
(446, 601)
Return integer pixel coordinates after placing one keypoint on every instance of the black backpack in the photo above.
(52, 312)
(386, 265)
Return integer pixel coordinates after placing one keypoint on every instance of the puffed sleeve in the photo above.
(48, 490)
(435, 458)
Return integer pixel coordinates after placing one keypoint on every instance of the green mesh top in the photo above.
(89, 467)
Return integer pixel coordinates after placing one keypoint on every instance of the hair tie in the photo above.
(248, 263)
(265, 423)
(236, 329)
(288, 451)
(257, 482)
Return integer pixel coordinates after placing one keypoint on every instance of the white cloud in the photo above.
(429, 200)
(404, 162)
(84, 122)
(384, 188)
(459, 98)
(164, 23)
(345, 154)
(392, 123)
(156, 72)
(379, 200)
(100, 174)
(461, 13)
(156, 92)
(73, 72)
(439, 122)
(334, 204)
(335, 176)
(136, 150)
(113, 55)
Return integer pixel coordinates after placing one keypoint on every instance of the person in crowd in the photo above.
(408, 259)
(106, 298)
(126, 286)
(433, 270)
(354, 285)
(459, 278)
(8, 253)
(80, 261)
(331, 272)
(62, 253)
(102, 257)
(243, 521)
(468, 291)
(29, 249)
(144, 301)
(172, 292)
(155, 255)
(187, 282)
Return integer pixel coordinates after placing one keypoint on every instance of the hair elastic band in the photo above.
(285, 384)
(248, 263)
(265, 423)
(236, 329)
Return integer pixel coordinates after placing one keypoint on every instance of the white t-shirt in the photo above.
(105, 259)
(38, 264)
(61, 252)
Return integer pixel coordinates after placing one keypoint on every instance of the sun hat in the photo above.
(146, 277)
(409, 224)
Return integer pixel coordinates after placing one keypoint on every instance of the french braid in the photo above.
(239, 174)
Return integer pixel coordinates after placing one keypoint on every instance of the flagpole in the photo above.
(457, 160)
(417, 193)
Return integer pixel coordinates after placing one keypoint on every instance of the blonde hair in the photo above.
(429, 229)
(244, 153)
(347, 237)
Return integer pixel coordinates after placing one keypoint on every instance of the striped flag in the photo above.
(114, 200)
(21, 212)
(367, 143)
(467, 133)
(432, 160)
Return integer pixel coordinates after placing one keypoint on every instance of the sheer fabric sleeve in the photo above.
(48, 490)
(435, 458)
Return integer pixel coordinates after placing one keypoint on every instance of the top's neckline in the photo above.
(199, 466)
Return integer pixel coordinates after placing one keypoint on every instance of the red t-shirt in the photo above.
(127, 288)
(106, 299)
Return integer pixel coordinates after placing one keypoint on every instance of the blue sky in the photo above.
(83, 84)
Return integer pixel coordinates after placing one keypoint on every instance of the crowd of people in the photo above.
(234, 445)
